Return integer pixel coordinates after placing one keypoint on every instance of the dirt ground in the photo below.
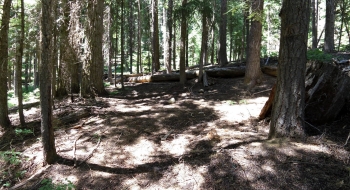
(168, 136)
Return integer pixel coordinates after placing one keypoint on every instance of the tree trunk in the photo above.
(288, 108)
(168, 35)
(19, 63)
(183, 44)
(329, 26)
(4, 118)
(253, 73)
(131, 27)
(95, 14)
(139, 36)
(343, 9)
(204, 43)
(122, 41)
(48, 139)
(155, 36)
(223, 24)
(314, 8)
(174, 47)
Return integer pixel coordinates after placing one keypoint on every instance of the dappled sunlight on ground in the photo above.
(144, 139)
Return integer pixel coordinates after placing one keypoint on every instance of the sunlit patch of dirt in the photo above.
(169, 136)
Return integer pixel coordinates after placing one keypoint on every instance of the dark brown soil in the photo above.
(169, 136)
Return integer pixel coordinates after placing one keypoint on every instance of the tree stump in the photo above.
(327, 90)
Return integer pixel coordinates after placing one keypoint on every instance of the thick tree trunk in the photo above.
(4, 118)
(288, 108)
(253, 72)
(95, 14)
(48, 139)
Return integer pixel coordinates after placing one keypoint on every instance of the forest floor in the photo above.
(168, 136)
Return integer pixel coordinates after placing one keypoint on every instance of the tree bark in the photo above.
(19, 63)
(183, 44)
(288, 108)
(314, 8)
(4, 118)
(168, 35)
(48, 139)
(253, 72)
(131, 27)
(95, 14)
(204, 43)
(329, 26)
(223, 24)
(155, 36)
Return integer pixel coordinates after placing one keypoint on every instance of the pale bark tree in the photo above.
(4, 118)
(47, 133)
(253, 72)
(287, 118)
(314, 8)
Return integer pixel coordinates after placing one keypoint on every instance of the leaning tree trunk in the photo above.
(288, 108)
(4, 118)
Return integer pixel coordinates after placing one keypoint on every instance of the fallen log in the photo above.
(161, 78)
(74, 117)
(226, 72)
(270, 70)
(211, 71)
(25, 106)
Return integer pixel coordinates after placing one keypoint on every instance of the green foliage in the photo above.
(231, 102)
(318, 55)
(106, 84)
(11, 157)
(47, 184)
(20, 132)
(33, 94)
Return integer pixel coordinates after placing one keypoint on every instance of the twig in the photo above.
(74, 149)
(312, 126)
(261, 92)
(347, 139)
(91, 153)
